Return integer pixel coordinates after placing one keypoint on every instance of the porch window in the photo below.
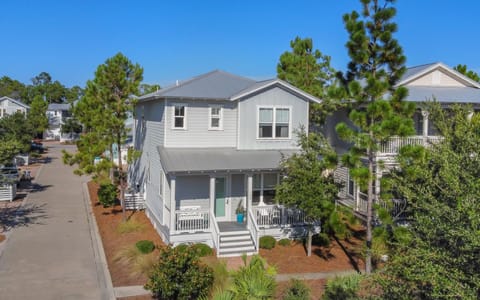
(264, 188)
(216, 114)
(179, 112)
(273, 122)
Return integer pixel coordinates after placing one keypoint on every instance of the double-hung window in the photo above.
(179, 114)
(215, 118)
(274, 122)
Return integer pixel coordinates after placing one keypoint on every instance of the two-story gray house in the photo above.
(424, 83)
(210, 145)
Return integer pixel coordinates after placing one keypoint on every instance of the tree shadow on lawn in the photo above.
(12, 217)
(349, 254)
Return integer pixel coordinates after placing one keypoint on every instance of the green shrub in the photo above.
(182, 247)
(342, 288)
(321, 239)
(284, 242)
(202, 249)
(145, 246)
(107, 193)
(267, 242)
(296, 290)
(179, 274)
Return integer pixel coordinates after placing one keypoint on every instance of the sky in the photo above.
(176, 40)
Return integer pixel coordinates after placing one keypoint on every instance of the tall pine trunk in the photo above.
(111, 172)
(368, 255)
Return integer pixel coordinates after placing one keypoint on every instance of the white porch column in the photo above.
(173, 206)
(425, 126)
(249, 191)
(261, 191)
(212, 193)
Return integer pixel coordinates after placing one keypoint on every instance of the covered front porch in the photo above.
(205, 202)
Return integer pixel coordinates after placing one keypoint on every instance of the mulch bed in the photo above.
(286, 259)
(108, 220)
(293, 258)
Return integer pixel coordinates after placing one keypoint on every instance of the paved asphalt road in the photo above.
(51, 253)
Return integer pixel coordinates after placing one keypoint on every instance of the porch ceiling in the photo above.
(197, 160)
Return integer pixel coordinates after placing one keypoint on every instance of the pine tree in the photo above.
(378, 110)
(108, 102)
(309, 70)
(37, 116)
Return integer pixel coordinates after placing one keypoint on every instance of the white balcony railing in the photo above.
(393, 144)
(277, 215)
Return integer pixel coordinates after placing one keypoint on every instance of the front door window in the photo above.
(220, 197)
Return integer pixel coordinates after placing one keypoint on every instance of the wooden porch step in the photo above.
(236, 243)
(238, 232)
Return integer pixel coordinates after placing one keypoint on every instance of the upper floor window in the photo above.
(179, 114)
(274, 122)
(215, 118)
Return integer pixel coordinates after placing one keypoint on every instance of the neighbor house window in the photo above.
(179, 113)
(215, 116)
(273, 122)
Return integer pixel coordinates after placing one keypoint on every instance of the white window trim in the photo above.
(184, 117)
(220, 123)
(274, 122)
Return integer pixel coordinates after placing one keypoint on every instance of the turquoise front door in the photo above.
(220, 200)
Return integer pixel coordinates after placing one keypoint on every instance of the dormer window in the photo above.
(215, 118)
(274, 123)
(179, 113)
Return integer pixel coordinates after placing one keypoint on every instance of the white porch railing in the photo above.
(193, 220)
(134, 201)
(8, 192)
(393, 144)
(253, 228)
(362, 203)
(215, 231)
(277, 215)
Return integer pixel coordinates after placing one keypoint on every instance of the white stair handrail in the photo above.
(215, 231)
(253, 227)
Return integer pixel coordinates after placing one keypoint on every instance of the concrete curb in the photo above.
(130, 291)
(313, 276)
(103, 274)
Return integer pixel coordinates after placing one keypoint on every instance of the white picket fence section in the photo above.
(8, 192)
(134, 201)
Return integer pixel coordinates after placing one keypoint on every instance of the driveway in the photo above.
(52, 253)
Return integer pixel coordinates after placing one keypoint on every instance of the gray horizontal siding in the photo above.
(273, 97)
(197, 134)
(192, 191)
(341, 176)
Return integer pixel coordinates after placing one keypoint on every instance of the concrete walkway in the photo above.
(54, 253)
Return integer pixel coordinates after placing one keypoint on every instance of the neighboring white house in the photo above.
(210, 145)
(9, 106)
(57, 114)
(425, 82)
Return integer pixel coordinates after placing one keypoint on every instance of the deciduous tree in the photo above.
(308, 184)
(378, 112)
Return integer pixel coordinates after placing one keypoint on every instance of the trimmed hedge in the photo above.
(267, 242)
(107, 193)
(145, 246)
(284, 242)
(321, 239)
